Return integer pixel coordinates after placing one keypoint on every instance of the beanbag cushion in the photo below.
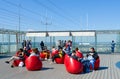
(73, 66)
(79, 54)
(54, 52)
(60, 60)
(16, 62)
(33, 63)
(97, 64)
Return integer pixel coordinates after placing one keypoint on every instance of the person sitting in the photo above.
(74, 56)
(46, 52)
(84, 61)
(78, 53)
(60, 54)
(19, 56)
(92, 57)
(35, 52)
(27, 53)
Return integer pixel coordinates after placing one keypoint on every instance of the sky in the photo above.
(59, 15)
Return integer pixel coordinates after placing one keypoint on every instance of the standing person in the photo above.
(28, 44)
(42, 45)
(24, 43)
(58, 44)
(68, 47)
(112, 46)
(64, 43)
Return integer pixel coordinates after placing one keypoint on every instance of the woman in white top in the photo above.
(35, 52)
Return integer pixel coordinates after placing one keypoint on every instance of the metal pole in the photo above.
(96, 41)
(19, 24)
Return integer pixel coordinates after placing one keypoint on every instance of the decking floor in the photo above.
(109, 69)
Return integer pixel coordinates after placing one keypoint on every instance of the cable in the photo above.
(53, 11)
(28, 10)
(60, 9)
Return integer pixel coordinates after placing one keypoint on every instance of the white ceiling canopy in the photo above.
(58, 33)
(36, 34)
(83, 33)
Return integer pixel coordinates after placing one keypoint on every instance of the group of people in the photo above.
(87, 60)
(22, 54)
(27, 44)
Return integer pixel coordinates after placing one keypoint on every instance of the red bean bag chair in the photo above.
(44, 55)
(73, 66)
(54, 52)
(33, 63)
(16, 62)
(79, 54)
(66, 59)
(60, 60)
(97, 64)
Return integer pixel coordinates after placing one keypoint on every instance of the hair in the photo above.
(53, 46)
(73, 51)
(93, 49)
(21, 49)
(76, 49)
(112, 40)
(60, 47)
(35, 50)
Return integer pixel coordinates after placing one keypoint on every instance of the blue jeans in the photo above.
(112, 49)
(92, 63)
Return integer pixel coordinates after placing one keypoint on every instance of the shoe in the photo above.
(12, 66)
(51, 62)
(46, 59)
(7, 62)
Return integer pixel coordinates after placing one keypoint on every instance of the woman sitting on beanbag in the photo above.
(19, 56)
(35, 52)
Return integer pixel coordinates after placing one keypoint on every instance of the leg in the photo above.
(13, 58)
(92, 63)
(55, 56)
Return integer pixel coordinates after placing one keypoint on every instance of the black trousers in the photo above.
(55, 56)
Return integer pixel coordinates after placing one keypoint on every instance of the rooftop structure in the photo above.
(83, 39)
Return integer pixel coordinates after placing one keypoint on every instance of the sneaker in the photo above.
(51, 62)
(7, 62)
(46, 59)
(12, 66)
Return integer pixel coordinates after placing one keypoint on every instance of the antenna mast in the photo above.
(46, 23)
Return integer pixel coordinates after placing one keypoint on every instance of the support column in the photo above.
(9, 43)
(96, 41)
(16, 41)
(34, 42)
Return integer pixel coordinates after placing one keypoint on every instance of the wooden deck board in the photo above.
(108, 70)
